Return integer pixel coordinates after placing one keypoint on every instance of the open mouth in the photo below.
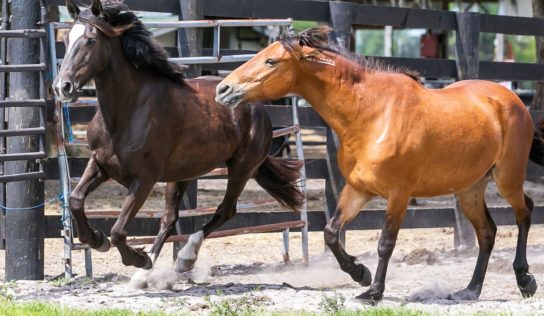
(232, 101)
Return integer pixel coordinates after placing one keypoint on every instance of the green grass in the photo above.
(13, 308)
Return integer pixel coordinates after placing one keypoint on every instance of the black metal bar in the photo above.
(22, 156)
(22, 68)
(22, 131)
(22, 103)
(27, 33)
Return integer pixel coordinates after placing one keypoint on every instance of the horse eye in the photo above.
(270, 62)
(90, 41)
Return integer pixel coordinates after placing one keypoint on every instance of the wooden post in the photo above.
(467, 48)
(340, 20)
(24, 228)
(190, 39)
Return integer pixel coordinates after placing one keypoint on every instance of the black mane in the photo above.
(317, 38)
(138, 44)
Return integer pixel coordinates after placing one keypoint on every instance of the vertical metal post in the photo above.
(300, 157)
(24, 228)
(62, 159)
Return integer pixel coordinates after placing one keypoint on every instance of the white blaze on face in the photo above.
(76, 32)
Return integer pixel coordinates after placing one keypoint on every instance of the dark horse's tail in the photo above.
(278, 176)
(537, 150)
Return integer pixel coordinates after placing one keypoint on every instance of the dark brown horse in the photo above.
(155, 126)
(401, 140)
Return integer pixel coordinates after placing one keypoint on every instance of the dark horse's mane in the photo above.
(138, 44)
(318, 38)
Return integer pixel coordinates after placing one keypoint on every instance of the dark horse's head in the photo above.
(95, 35)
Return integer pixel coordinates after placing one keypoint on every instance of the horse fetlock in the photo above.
(184, 265)
(104, 242)
(527, 285)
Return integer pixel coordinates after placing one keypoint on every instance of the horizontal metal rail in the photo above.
(285, 131)
(224, 233)
(212, 59)
(22, 131)
(204, 23)
(22, 156)
(201, 211)
(22, 68)
(22, 103)
(25, 33)
(22, 176)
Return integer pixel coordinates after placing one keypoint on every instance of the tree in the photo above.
(538, 100)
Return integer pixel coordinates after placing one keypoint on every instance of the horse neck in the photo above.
(341, 93)
(118, 88)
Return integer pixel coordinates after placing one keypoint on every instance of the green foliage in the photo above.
(332, 304)
(240, 306)
(6, 291)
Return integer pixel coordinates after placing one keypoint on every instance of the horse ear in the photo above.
(96, 7)
(73, 10)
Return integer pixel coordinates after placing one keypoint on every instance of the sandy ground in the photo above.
(248, 270)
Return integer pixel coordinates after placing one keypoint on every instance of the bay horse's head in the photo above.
(273, 72)
(97, 33)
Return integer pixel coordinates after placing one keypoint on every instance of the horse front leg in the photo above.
(394, 215)
(90, 180)
(173, 194)
(349, 204)
(137, 194)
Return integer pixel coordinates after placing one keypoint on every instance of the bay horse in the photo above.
(152, 126)
(400, 140)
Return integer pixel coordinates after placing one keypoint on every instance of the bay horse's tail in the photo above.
(278, 176)
(537, 150)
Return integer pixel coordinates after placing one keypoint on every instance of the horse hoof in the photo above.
(371, 296)
(530, 288)
(363, 276)
(105, 244)
(148, 263)
(464, 295)
(184, 265)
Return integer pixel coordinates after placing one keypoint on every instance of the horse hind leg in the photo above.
(510, 185)
(240, 172)
(473, 204)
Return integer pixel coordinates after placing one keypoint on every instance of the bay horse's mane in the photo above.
(137, 43)
(317, 38)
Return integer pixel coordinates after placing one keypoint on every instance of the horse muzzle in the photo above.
(65, 90)
(226, 95)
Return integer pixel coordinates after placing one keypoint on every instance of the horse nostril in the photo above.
(67, 87)
(223, 89)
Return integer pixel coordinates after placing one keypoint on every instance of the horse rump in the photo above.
(279, 176)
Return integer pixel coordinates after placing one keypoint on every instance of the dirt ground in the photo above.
(249, 269)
